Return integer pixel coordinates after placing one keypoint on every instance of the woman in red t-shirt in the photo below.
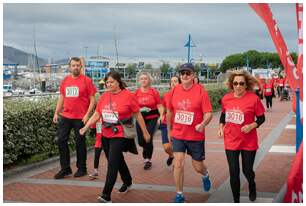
(117, 103)
(163, 125)
(238, 127)
(149, 102)
(268, 89)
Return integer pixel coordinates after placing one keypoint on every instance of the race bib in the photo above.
(268, 90)
(281, 85)
(256, 88)
(110, 117)
(183, 117)
(99, 127)
(236, 117)
(72, 91)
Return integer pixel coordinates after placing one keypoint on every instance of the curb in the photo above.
(25, 168)
(280, 195)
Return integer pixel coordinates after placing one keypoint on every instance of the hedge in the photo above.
(28, 129)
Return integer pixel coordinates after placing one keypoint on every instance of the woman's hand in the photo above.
(221, 133)
(248, 127)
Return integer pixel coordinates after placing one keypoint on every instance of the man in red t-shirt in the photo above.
(75, 103)
(191, 110)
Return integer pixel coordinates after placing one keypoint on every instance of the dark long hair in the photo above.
(116, 76)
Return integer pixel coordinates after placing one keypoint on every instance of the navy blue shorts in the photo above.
(196, 149)
(164, 133)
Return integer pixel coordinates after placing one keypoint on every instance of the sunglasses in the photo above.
(240, 83)
(188, 73)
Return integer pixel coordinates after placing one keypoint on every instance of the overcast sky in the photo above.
(144, 30)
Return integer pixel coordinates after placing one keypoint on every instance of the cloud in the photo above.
(144, 30)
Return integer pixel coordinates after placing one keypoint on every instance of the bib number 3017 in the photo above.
(183, 117)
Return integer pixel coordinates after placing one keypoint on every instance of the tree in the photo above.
(164, 68)
(148, 66)
(131, 69)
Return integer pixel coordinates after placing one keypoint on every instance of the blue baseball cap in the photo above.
(187, 66)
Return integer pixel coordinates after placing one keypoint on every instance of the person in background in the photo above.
(75, 103)
(149, 102)
(188, 113)
(98, 149)
(116, 104)
(238, 128)
(163, 125)
(258, 87)
(268, 93)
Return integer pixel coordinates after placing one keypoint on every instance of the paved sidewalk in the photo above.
(272, 164)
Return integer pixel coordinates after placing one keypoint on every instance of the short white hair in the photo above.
(146, 74)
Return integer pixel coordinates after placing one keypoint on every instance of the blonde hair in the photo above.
(249, 79)
(146, 74)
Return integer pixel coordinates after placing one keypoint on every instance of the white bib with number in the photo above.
(256, 87)
(99, 127)
(236, 117)
(268, 90)
(183, 117)
(110, 117)
(72, 91)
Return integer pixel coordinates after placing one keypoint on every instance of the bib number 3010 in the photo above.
(235, 117)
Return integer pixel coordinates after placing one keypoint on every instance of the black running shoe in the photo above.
(147, 165)
(63, 173)
(80, 173)
(169, 161)
(125, 188)
(104, 199)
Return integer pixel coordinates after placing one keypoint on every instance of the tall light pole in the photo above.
(189, 45)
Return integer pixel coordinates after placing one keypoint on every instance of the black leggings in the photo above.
(113, 148)
(268, 101)
(97, 157)
(248, 158)
(147, 147)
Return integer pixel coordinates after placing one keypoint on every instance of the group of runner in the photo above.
(271, 87)
(183, 113)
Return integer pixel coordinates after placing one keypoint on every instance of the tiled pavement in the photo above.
(157, 185)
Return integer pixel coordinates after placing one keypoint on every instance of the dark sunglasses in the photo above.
(185, 72)
(240, 83)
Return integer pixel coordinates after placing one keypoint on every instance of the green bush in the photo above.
(28, 130)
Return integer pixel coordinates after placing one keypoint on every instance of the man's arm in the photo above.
(59, 106)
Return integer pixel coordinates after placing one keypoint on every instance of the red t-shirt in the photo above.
(239, 112)
(149, 99)
(124, 105)
(268, 88)
(281, 82)
(188, 107)
(76, 92)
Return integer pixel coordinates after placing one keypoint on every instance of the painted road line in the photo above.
(291, 126)
(283, 149)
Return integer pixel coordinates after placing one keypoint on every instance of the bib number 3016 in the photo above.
(183, 117)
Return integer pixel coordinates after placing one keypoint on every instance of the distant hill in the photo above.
(16, 56)
(62, 61)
